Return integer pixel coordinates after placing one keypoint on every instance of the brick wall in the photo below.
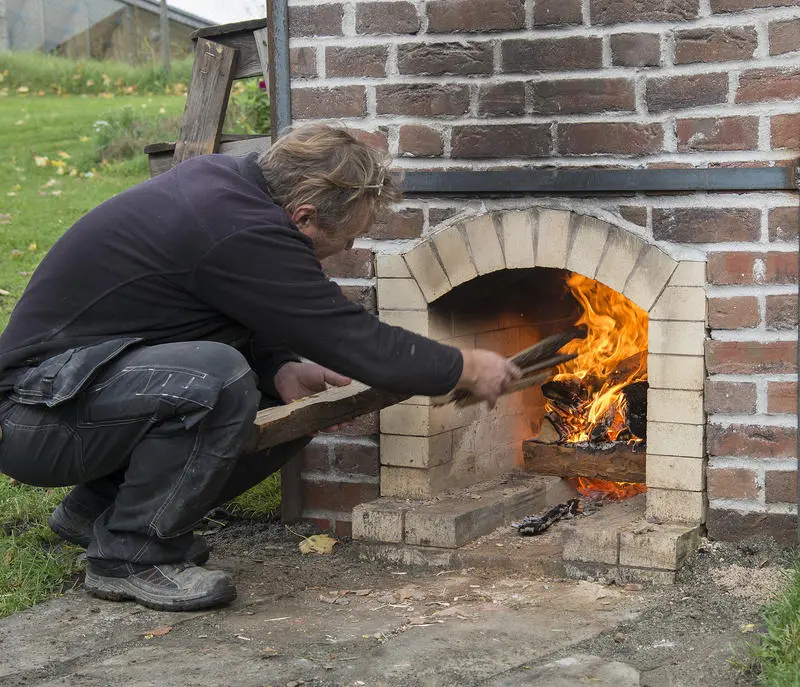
(487, 83)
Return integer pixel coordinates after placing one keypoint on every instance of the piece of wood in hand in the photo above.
(314, 413)
(617, 464)
(548, 434)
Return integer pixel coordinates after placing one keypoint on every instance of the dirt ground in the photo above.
(337, 620)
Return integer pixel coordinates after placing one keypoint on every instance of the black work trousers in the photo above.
(154, 442)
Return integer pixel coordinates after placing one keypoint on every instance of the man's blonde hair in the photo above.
(332, 170)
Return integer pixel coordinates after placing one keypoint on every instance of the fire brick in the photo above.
(400, 294)
(553, 238)
(675, 372)
(663, 546)
(674, 505)
(677, 338)
(652, 272)
(689, 273)
(620, 256)
(484, 244)
(519, 238)
(416, 451)
(681, 303)
(382, 520)
(425, 266)
(391, 265)
(675, 405)
(671, 439)
(454, 254)
(675, 472)
(589, 238)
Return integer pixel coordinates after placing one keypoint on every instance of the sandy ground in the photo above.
(338, 620)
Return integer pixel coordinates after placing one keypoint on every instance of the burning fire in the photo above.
(612, 356)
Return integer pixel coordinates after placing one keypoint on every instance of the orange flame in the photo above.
(610, 491)
(612, 356)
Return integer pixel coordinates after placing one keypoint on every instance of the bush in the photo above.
(248, 108)
(39, 74)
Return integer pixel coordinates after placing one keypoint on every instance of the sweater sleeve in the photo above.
(269, 279)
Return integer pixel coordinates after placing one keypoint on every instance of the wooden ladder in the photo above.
(223, 54)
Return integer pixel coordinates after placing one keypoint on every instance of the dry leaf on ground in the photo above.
(158, 632)
(318, 543)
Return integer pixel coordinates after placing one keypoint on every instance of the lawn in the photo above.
(53, 169)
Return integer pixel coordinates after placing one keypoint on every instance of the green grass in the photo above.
(51, 173)
(773, 659)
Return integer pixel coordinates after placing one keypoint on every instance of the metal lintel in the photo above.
(593, 180)
(280, 86)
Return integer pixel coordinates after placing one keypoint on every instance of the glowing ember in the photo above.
(612, 356)
(603, 489)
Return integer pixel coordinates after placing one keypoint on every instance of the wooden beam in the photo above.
(308, 415)
(618, 464)
(207, 100)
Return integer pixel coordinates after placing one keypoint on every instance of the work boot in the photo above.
(167, 587)
(76, 528)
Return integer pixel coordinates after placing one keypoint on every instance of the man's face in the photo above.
(328, 242)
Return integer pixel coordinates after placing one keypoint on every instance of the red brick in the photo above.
(751, 357)
(784, 36)
(502, 100)
(731, 483)
(636, 49)
(438, 215)
(784, 223)
(322, 524)
(447, 16)
(361, 61)
(619, 11)
(781, 268)
(718, 133)
(578, 96)
(362, 295)
(551, 54)
(741, 268)
(731, 525)
(317, 103)
(757, 441)
(782, 397)
(386, 17)
(377, 139)
(420, 141)
(739, 312)
(337, 496)
(780, 486)
(315, 457)
(343, 528)
(400, 224)
(439, 59)
(715, 44)
(679, 92)
(758, 85)
(303, 62)
(782, 311)
(316, 20)
(557, 12)
(730, 397)
(356, 459)
(612, 138)
(422, 100)
(706, 225)
(634, 213)
(719, 6)
(785, 131)
(505, 140)
(356, 262)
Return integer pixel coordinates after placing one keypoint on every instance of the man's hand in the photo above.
(487, 374)
(297, 380)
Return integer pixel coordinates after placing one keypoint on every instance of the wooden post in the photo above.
(165, 35)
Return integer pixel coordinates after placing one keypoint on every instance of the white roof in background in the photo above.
(224, 12)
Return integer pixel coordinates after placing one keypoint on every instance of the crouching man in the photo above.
(155, 328)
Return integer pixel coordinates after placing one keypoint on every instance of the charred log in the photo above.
(636, 398)
(613, 461)
(536, 524)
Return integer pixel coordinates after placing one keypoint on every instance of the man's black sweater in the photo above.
(203, 253)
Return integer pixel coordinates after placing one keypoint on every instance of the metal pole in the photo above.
(4, 40)
(280, 94)
(165, 35)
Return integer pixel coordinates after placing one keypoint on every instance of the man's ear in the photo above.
(304, 216)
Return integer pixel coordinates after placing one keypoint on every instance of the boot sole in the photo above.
(121, 589)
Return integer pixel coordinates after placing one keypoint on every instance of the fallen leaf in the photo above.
(32, 246)
(49, 183)
(63, 154)
(158, 632)
(747, 627)
(318, 543)
(3, 292)
(11, 193)
(5, 219)
(41, 160)
(83, 139)
(23, 89)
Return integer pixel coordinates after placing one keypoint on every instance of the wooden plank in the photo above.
(213, 32)
(261, 38)
(248, 63)
(617, 464)
(308, 415)
(207, 100)
(160, 155)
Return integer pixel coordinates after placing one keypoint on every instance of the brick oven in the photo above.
(573, 84)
